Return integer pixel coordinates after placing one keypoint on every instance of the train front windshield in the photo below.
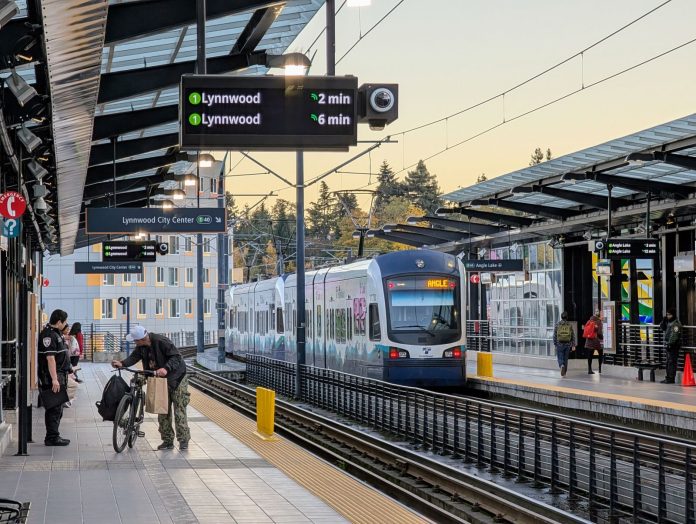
(423, 310)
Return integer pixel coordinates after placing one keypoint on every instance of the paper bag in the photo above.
(72, 388)
(157, 396)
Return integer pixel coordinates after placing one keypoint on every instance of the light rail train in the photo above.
(396, 317)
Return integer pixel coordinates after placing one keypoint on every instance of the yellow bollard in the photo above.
(265, 413)
(484, 364)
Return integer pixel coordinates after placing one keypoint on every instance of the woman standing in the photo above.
(76, 347)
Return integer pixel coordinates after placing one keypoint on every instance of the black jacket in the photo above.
(161, 353)
(51, 344)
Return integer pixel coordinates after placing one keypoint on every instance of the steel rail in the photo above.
(435, 489)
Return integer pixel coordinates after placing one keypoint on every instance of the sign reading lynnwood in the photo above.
(87, 268)
(127, 220)
(268, 112)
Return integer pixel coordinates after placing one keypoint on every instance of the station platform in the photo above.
(608, 395)
(227, 475)
(209, 360)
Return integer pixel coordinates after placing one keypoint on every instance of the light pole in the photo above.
(201, 70)
(222, 270)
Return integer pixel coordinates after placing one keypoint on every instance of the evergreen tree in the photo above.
(231, 205)
(321, 214)
(422, 188)
(388, 188)
(538, 156)
(481, 178)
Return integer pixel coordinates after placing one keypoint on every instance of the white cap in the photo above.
(137, 332)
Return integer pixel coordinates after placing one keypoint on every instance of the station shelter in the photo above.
(612, 226)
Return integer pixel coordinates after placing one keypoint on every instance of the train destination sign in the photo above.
(124, 251)
(512, 265)
(87, 268)
(633, 248)
(268, 112)
(127, 220)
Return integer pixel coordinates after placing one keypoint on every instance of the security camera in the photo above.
(378, 104)
(163, 248)
(599, 245)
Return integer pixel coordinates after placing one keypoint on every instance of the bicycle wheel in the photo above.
(123, 424)
(137, 415)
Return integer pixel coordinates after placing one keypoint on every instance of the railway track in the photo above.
(434, 489)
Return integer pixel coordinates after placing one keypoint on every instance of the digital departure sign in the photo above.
(440, 283)
(422, 283)
(633, 248)
(124, 251)
(268, 112)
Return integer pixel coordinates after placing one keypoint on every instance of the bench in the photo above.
(652, 366)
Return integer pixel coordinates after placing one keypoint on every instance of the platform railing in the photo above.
(646, 343)
(616, 472)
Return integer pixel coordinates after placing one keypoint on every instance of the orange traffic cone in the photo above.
(688, 375)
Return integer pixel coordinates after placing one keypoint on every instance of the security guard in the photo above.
(673, 340)
(53, 357)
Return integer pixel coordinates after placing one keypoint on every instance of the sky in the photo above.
(447, 55)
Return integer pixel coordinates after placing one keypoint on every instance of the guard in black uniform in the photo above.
(53, 357)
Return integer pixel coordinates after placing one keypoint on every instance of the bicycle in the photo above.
(13, 512)
(130, 412)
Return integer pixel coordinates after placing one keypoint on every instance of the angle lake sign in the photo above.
(128, 220)
(268, 112)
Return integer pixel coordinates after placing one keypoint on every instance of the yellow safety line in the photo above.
(351, 498)
(597, 394)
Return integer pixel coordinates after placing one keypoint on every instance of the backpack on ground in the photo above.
(114, 391)
(564, 333)
(590, 330)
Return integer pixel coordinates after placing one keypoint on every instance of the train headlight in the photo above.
(395, 353)
(453, 353)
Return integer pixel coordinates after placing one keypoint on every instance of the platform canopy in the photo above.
(568, 196)
(109, 70)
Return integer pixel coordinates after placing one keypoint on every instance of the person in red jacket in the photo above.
(594, 340)
(76, 354)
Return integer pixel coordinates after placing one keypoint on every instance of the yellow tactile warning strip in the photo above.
(595, 394)
(353, 499)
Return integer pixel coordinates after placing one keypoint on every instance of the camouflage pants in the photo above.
(178, 399)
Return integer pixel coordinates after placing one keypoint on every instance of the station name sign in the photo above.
(633, 248)
(512, 265)
(127, 220)
(268, 112)
(90, 268)
(124, 251)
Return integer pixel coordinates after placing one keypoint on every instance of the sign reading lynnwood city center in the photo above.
(268, 112)
(129, 220)
(89, 268)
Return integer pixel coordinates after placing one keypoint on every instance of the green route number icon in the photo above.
(194, 119)
(195, 98)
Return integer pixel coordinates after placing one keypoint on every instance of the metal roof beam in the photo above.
(395, 237)
(137, 203)
(495, 218)
(590, 200)
(134, 19)
(107, 188)
(122, 199)
(457, 225)
(126, 84)
(117, 124)
(437, 235)
(105, 172)
(103, 153)
(532, 209)
(252, 34)
(636, 184)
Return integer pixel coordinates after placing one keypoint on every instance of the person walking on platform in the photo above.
(593, 333)
(160, 355)
(76, 347)
(672, 329)
(52, 357)
(564, 340)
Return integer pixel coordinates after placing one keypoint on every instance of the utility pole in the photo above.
(222, 270)
(201, 70)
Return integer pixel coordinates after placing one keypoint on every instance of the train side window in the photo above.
(349, 323)
(279, 315)
(319, 317)
(294, 322)
(375, 329)
(271, 310)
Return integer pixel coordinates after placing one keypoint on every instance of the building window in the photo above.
(189, 275)
(127, 278)
(108, 279)
(206, 306)
(173, 245)
(107, 308)
(206, 245)
(213, 185)
(173, 276)
(189, 306)
(140, 277)
(206, 275)
(160, 275)
(188, 244)
(142, 307)
(174, 308)
(158, 306)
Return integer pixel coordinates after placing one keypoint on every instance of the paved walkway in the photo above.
(218, 479)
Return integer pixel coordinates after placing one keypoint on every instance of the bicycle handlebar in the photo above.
(136, 371)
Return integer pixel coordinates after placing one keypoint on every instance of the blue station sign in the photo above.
(130, 220)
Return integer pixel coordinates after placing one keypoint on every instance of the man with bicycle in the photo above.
(160, 355)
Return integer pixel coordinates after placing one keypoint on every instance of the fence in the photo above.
(618, 472)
